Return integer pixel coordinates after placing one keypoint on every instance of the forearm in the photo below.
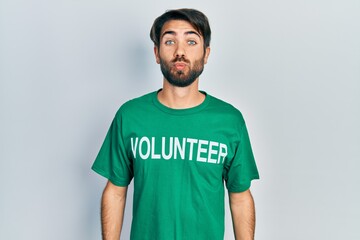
(112, 211)
(243, 215)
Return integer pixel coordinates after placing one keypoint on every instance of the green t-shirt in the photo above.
(179, 160)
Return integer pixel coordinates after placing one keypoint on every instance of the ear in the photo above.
(206, 55)
(157, 54)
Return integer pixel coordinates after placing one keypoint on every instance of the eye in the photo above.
(169, 42)
(191, 42)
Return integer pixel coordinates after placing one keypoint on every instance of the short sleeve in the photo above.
(112, 161)
(241, 170)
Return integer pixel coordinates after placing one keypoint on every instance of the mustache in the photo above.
(180, 59)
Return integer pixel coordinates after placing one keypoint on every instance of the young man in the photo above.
(180, 145)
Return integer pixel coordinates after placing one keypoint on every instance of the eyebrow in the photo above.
(174, 33)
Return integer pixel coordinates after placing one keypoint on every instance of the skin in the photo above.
(178, 40)
(185, 42)
(243, 215)
(112, 211)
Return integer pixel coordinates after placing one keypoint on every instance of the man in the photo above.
(180, 145)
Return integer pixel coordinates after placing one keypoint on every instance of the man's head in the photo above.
(181, 38)
(196, 19)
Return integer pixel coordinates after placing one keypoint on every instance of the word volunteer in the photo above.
(174, 148)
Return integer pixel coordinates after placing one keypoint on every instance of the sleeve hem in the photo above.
(117, 182)
(242, 188)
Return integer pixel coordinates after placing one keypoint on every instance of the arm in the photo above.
(112, 211)
(243, 215)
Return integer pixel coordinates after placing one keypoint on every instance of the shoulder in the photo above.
(136, 105)
(225, 109)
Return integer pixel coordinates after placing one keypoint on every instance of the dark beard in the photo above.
(179, 79)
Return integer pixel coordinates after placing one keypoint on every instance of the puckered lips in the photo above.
(180, 65)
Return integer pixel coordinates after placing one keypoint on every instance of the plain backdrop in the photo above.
(291, 67)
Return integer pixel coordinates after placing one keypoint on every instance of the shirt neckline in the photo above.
(184, 111)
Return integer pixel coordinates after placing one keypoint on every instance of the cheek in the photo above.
(198, 53)
(165, 54)
(200, 57)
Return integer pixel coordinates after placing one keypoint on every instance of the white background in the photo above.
(291, 67)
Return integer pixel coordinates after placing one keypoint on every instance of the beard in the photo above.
(179, 78)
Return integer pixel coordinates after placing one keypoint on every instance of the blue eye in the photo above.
(169, 42)
(191, 42)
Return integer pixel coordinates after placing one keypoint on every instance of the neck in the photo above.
(181, 97)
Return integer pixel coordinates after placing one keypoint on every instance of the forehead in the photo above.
(178, 26)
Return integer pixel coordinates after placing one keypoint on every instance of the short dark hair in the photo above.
(196, 18)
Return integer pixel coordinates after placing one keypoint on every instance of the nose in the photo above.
(180, 51)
